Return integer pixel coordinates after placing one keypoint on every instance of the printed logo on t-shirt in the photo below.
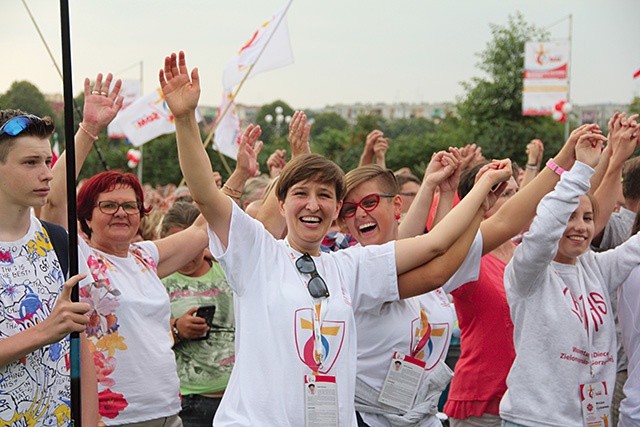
(429, 341)
(333, 333)
(595, 308)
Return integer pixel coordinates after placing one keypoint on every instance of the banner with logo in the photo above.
(130, 91)
(546, 76)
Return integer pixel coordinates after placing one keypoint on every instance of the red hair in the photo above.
(103, 183)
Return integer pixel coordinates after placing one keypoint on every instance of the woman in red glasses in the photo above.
(294, 317)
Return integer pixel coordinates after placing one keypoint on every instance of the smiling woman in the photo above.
(129, 319)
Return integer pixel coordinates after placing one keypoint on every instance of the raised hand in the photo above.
(621, 137)
(450, 184)
(101, 104)
(535, 152)
(248, 150)
(589, 148)
(276, 162)
(380, 147)
(440, 168)
(299, 134)
(498, 172)
(180, 90)
(67, 316)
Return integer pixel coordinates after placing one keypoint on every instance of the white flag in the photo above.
(226, 137)
(147, 118)
(130, 91)
(268, 48)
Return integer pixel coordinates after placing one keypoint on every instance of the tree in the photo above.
(26, 97)
(324, 121)
(491, 110)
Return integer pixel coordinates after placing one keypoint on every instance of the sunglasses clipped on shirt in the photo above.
(316, 285)
(15, 125)
(367, 203)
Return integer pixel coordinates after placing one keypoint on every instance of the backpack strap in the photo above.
(60, 241)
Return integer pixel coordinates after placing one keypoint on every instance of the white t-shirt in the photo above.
(274, 338)
(397, 326)
(30, 281)
(629, 316)
(129, 325)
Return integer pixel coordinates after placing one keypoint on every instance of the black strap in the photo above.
(60, 241)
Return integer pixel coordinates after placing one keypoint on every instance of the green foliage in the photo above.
(634, 107)
(324, 121)
(27, 97)
(491, 110)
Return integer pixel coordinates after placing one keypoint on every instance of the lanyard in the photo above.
(319, 313)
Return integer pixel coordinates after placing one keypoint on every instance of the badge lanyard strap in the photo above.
(319, 314)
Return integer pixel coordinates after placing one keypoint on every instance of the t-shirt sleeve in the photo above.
(470, 268)
(248, 248)
(376, 278)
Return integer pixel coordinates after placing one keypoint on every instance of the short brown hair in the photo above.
(39, 127)
(385, 177)
(310, 167)
(181, 214)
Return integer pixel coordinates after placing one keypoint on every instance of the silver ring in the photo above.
(95, 92)
(104, 93)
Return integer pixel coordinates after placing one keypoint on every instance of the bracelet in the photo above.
(551, 164)
(95, 138)
(532, 166)
(175, 331)
(231, 192)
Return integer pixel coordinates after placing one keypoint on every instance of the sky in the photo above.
(346, 51)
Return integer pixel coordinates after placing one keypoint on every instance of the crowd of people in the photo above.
(308, 296)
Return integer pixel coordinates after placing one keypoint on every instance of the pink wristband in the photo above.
(551, 164)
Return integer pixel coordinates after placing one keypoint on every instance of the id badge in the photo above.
(320, 401)
(596, 404)
(402, 381)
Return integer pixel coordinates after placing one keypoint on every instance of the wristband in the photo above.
(175, 331)
(551, 164)
(231, 192)
(92, 136)
(532, 166)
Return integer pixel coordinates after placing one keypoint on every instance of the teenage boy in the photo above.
(37, 314)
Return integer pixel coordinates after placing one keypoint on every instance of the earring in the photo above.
(397, 216)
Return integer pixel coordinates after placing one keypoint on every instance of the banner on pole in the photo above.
(228, 127)
(268, 48)
(546, 76)
(130, 91)
(147, 118)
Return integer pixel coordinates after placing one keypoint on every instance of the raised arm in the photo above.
(535, 152)
(441, 167)
(520, 209)
(100, 108)
(368, 155)
(622, 144)
(182, 91)
(413, 252)
(269, 214)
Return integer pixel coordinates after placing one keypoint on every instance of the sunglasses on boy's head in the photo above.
(316, 285)
(15, 125)
(367, 203)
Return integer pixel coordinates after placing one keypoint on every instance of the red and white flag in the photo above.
(268, 48)
(55, 153)
(225, 139)
(147, 118)
(130, 91)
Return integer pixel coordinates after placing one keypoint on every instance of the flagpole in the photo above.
(246, 76)
(76, 404)
(566, 122)
(141, 151)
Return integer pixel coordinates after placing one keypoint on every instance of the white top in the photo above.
(629, 316)
(563, 324)
(397, 326)
(136, 367)
(274, 320)
(30, 281)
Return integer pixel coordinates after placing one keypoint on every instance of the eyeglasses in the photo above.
(367, 203)
(316, 285)
(15, 125)
(109, 208)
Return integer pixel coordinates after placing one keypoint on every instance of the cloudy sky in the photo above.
(345, 51)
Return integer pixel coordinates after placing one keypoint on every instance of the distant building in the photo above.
(597, 113)
(350, 112)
